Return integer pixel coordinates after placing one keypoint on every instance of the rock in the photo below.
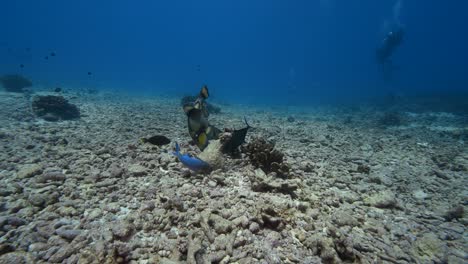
(254, 227)
(221, 225)
(272, 222)
(428, 248)
(137, 170)
(384, 199)
(242, 221)
(39, 246)
(29, 170)
(147, 206)
(51, 175)
(66, 251)
(168, 261)
(221, 242)
(175, 202)
(115, 171)
(68, 234)
(38, 200)
(363, 169)
(420, 195)
(93, 214)
(212, 184)
(342, 218)
(13, 221)
(213, 155)
(122, 230)
(454, 213)
(5, 248)
(265, 183)
(17, 257)
(45, 229)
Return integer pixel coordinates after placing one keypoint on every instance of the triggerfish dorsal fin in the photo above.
(237, 138)
(204, 92)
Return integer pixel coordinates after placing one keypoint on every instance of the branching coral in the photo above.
(262, 154)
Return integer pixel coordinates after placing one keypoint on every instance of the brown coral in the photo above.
(263, 155)
(54, 108)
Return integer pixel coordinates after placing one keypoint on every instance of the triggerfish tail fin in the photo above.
(204, 92)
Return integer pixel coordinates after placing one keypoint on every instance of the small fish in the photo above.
(21, 65)
(52, 54)
(46, 57)
(158, 140)
(192, 163)
(237, 138)
(90, 73)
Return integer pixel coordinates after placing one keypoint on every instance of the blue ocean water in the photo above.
(330, 132)
(259, 52)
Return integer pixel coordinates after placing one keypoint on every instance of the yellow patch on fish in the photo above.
(202, 140)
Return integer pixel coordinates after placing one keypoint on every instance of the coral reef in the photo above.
(262, 154)
(54, 108)
(15, 83)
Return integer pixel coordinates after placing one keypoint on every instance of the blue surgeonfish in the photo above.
(192, 163)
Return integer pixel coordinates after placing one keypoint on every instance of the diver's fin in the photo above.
(204, 92)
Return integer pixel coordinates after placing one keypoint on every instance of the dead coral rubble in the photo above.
(54, 108)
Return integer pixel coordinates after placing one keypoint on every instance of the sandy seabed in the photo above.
(89, 191)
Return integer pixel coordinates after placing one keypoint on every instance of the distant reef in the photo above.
(15, 83)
